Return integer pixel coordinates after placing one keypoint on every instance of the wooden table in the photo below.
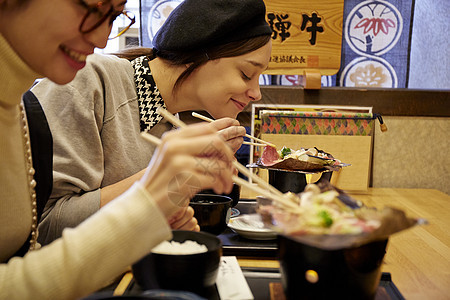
(418, 258)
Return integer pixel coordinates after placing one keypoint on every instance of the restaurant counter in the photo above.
(418, 259)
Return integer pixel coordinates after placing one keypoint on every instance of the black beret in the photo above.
(200, 24)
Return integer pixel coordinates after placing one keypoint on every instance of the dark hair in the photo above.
(133, 52)
(197, 58)
(15, 4)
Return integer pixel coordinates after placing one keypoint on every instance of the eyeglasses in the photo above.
(98, 13)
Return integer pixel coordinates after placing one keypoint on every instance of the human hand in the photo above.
(184, 219)
(189, 160)
(231, 131)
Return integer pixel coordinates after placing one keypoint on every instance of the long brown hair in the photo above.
(13, 4)
(197, 58)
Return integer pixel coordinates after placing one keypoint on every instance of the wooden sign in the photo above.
(307, 36)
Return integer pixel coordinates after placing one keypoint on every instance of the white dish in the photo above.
(252, 227)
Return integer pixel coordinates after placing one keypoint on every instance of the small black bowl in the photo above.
(308, 272)
(212, 212)
(195, 273)
(235, 194)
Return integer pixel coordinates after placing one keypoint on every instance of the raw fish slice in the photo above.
(269, 156)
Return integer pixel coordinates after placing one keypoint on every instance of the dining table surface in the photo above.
(418, 258)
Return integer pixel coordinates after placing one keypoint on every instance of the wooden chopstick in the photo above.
(264, 192)
(151, 138)
(243, 169)
(156, 141)
(277, 196)
(274, 193)
(199, 116)
(258, 180)
(123, 284)
(177, 122)
(254, 144)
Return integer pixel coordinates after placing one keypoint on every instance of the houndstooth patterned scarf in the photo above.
(149, 98)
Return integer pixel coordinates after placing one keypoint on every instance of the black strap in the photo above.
(42, 154)
(41, 148)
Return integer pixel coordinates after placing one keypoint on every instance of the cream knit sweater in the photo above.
(86, 257)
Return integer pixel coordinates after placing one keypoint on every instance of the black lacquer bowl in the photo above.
(308, 272)
(195, 273)
(235, 194)
(212, 212)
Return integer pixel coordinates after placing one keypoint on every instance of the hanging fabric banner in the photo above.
(375, 51)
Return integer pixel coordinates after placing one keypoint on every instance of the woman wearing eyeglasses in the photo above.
(53, 38)
(212, 65)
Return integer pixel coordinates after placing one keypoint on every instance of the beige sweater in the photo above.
(108, 147)
(86, 257)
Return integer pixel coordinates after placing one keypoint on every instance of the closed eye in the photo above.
(245, 77)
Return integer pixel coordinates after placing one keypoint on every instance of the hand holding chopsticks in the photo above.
(199, 116)
(272, 194)
(263, 188)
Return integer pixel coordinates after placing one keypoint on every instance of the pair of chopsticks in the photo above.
(254, 144)
(263, 188)
(261, 142)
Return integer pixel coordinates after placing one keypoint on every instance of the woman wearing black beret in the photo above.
(208, 56)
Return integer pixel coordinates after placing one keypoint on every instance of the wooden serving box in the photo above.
(348, 136)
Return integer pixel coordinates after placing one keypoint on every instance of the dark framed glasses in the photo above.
(98, 13)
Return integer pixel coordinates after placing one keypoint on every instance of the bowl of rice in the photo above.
(188, 262)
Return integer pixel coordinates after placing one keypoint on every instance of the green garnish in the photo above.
(327, 221)
(285, 151)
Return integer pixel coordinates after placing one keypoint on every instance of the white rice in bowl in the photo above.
(173, 248)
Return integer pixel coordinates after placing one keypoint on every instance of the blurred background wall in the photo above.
(430, 46)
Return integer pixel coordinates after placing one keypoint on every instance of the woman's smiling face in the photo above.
(45, 34)
(224, 87)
